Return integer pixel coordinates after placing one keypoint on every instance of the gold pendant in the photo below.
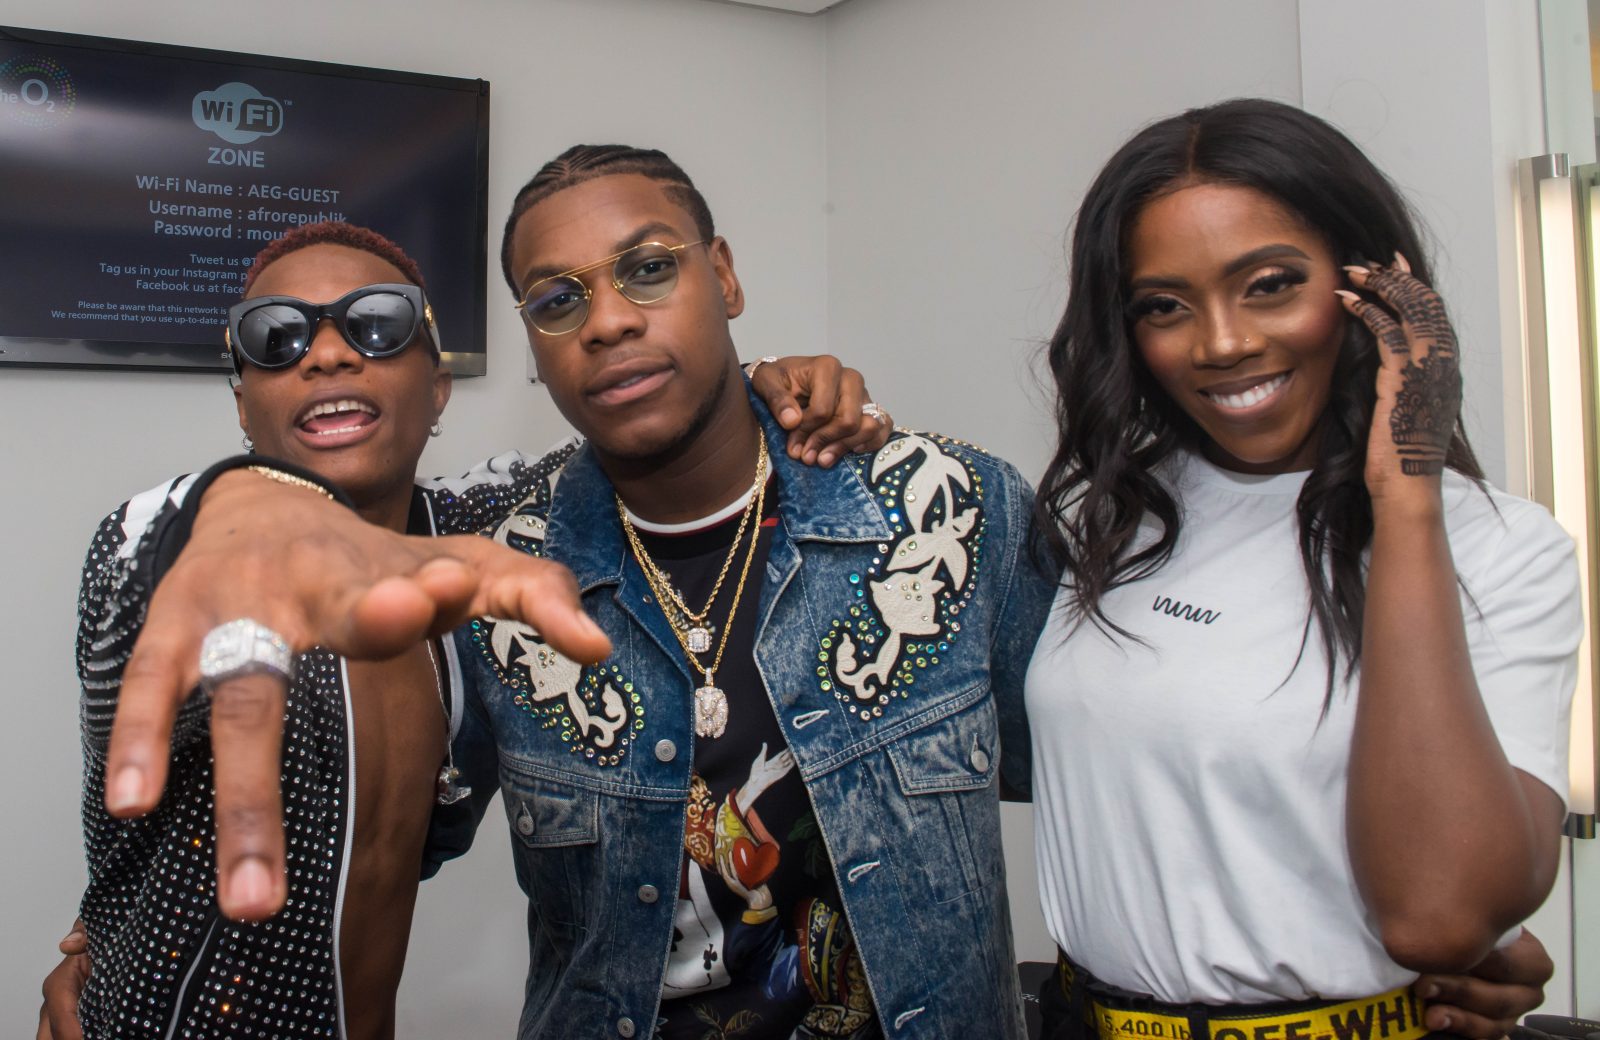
(699, 639)
(710, 711)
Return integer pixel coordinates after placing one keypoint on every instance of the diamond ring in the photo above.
(243, 647)
(871, 409)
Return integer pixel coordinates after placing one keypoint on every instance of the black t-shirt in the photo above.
(761, 949)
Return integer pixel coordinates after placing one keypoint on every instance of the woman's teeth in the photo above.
(1253, 396)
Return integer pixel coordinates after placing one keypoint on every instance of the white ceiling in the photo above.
(797, 6)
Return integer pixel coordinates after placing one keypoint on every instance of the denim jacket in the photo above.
(896, 617)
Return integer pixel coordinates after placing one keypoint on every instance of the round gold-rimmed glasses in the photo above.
(645, 273)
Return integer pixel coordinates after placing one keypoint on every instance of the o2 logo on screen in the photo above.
(238, 113)
(36, 91)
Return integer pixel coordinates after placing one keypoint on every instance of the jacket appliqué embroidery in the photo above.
(911, 599)
(595, 709)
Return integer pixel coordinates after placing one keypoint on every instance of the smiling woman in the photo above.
(1287, 586)
(1234, 316)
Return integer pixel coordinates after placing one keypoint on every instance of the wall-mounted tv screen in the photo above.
(137, 181)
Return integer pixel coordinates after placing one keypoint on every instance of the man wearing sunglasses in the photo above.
(771, 810)
(344, 392)
(376, 321)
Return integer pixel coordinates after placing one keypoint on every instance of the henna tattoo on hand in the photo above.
(1423, 418)
(1425, 409)
(1417, 305)
(1424, 415)
(1391, 336)
(1428, 321)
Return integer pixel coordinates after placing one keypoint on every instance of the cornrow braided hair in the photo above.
(338, 233)
(585, 162)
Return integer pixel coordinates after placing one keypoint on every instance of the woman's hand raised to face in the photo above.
(1419, 382)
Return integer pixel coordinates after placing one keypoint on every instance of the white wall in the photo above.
(896, 176)
(734, 94)
(961, 137)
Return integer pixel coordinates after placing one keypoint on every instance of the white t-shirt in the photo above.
(1189, 805)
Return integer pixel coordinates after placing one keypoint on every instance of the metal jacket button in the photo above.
(624, 1026)
(648, 894)
(666, 750)
(980, 760)
(525, 822)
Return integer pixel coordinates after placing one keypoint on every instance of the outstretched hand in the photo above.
(820, 402)
(1419, 379)
(318, 575)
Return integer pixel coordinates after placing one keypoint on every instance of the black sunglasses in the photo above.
(378, 321)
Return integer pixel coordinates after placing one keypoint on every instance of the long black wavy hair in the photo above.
(1116, 426)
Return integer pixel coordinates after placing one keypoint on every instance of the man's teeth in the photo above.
(335, 407)
(1255, 395)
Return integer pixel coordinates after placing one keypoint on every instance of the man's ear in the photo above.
(443, 381)
(238, 402)
(722, 263)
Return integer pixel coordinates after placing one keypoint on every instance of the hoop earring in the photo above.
(249, 445)
(436, 429)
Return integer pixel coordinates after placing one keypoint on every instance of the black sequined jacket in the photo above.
(166, 963)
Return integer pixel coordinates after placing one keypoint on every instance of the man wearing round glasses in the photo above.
(558, 304)
(772, 809)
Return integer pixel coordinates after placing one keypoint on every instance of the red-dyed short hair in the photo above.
(335, 232)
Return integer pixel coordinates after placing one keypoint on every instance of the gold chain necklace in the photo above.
(694, 625)
(710, 702)
(699, 632)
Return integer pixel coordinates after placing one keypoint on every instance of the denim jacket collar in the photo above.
(815, 504)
